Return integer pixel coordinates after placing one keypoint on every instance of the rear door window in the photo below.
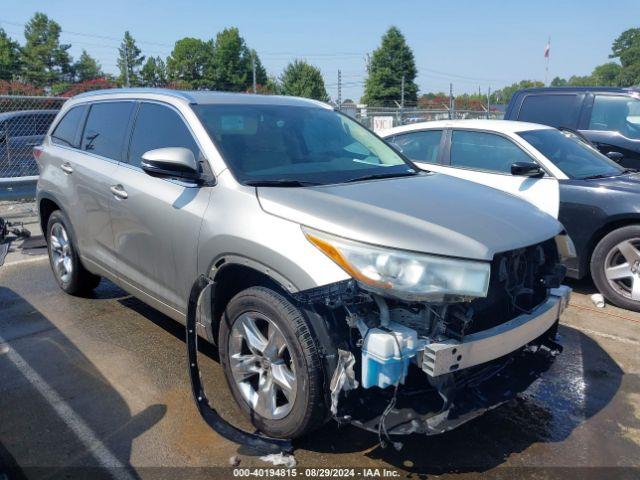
(485, 151)
(66, 132)
(106, 128)
(423, 146)
(158, 126)
(616, 113)
(555, 110)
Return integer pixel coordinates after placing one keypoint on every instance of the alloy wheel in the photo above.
(61, 253)
(261, 365)
(622, 268)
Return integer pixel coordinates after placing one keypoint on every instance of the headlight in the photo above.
(566, 248)
(406, 275)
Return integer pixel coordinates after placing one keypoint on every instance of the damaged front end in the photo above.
(398, 366)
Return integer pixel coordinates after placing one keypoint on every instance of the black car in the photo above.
(608, 117)
(20, 131)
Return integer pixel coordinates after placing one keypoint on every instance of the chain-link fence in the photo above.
(23, 123)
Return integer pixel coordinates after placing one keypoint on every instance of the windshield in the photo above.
(571, 155)
(287, 144)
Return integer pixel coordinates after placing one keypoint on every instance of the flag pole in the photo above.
(547, 54)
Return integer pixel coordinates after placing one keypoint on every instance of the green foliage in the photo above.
(232, 62)
(388, 64)
(87, 68)
(9, 56)
(607, 74)
(153, 73)
(191, 63)
(45, 60)
(301, 79)
(626, 40)
(130, 60)
(504, 95)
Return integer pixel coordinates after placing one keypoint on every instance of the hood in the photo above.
(629, 183)
(431, 213)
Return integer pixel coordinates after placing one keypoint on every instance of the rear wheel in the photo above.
(68, 271)
(271, 363)
(615, 267)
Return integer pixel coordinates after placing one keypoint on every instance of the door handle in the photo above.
(66, 168)
(119, 191)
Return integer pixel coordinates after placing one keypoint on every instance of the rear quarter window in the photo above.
(562, 110)
(66, 132)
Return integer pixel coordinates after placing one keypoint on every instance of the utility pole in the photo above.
(339, 90)
(451, 105)
(489, 102)
(402, 93)
(126, 65)
(253, 67)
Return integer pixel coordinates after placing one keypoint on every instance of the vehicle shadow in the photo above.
(59, 416)
(584, 286)
(583, 380)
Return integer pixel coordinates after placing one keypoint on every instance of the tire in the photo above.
(298, 410)
(615, 267)
(66, 266)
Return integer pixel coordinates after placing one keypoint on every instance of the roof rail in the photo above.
(161, 91)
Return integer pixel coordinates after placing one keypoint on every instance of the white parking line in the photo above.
(98, 449)
(588, 331)
(33, 259)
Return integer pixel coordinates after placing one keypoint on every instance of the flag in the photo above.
(547, 49)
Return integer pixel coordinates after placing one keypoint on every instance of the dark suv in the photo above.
(608, 117)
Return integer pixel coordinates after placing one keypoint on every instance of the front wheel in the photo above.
(615, 267)
(271, 363)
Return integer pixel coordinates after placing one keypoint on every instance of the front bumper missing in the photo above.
(452, 355)
(490, 368)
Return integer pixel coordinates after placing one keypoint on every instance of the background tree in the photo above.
(87, 68)
(303, 80)
(9, 57)
(129, 62)
(388, 64)
(232, 62)
(45, 60)
(504, 95)
(154, 73)
(628, 39)
(191, 63)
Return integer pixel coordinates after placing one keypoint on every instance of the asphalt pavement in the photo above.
(98, 388)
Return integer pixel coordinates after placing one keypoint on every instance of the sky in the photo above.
(472, 44)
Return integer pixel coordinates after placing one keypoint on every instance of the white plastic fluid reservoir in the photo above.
(382, 363)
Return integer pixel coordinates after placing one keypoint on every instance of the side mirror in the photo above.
(171, 162)
(527, 169)
(615, 156)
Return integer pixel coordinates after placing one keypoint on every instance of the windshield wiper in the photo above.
(629, 170)
(593, 177)
(280, 183)
(375, 176)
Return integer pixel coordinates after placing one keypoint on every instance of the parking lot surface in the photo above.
(99, 388)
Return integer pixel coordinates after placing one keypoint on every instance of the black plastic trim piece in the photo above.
(255, 441)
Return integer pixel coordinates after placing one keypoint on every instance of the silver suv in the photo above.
(336, 279)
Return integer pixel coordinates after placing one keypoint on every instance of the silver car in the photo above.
(336, 279)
